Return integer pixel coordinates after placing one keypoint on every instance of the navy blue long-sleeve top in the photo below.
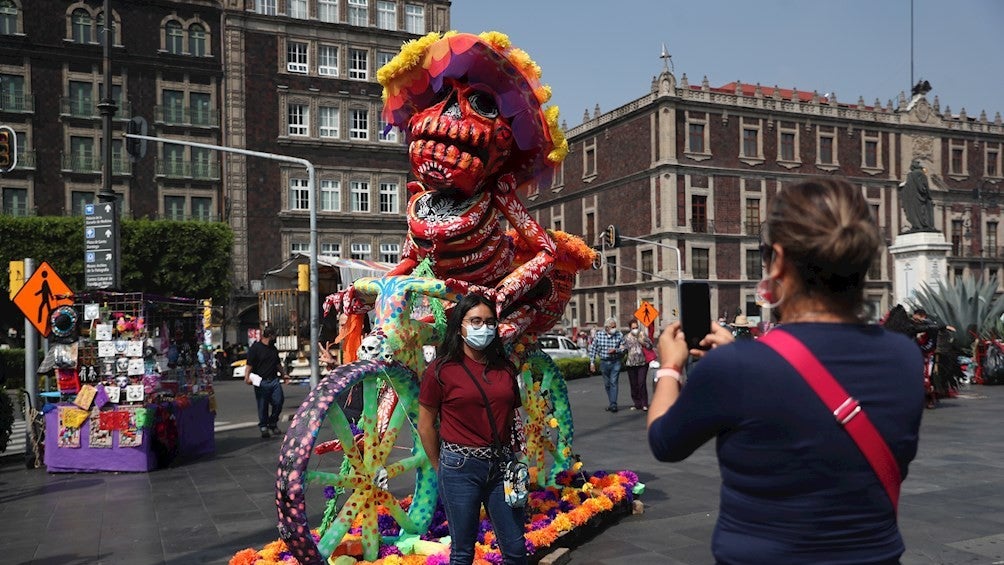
(795, 486)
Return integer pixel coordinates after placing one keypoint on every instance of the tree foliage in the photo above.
(190, 259)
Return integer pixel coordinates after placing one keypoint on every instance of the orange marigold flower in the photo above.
(244, 557)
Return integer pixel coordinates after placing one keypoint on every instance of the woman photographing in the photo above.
(469, 450)
(801, 481)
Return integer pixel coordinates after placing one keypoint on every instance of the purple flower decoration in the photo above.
(387, 550)
(493, 557)
(530, 548)
(438, 559)
(387, 525)
(600, 474)
(329, 492)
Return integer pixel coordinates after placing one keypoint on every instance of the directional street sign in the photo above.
(646, 313)
(101, 245)
(41, 294)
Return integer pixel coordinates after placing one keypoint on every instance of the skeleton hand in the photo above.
(506, 183)
(464, 287)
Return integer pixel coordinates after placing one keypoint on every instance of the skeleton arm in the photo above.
(524, 277)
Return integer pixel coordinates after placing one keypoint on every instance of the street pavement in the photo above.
(204, 510)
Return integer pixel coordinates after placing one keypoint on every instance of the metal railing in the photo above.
(187, 170)
(18, 210)
(10, 102)
(25, 159)
(89, 109)
(91, 164)
(186, 116)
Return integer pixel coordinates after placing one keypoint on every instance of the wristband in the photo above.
(668, 372)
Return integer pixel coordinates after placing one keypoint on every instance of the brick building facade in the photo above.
(693, 167)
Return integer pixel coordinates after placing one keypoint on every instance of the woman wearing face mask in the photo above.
(463, 449)
(816, 422)
(637, 368)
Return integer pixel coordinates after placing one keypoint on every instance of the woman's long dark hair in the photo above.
(452, 348)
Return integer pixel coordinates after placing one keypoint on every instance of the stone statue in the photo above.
(915, 197)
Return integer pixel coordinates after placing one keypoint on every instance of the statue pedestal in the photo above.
(918, 257)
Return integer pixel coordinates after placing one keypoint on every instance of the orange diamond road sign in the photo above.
(646, 313)
(40, 295)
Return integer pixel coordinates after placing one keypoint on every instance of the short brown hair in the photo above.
(268, 331)
(827, 231)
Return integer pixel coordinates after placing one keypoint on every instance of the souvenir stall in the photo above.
(135, 381)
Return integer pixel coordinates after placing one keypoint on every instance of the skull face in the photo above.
(459, 141)
(373, 347)
(122, 381)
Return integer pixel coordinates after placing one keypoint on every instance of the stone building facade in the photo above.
(693, 167)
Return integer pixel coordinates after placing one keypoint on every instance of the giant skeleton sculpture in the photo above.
(472, 108)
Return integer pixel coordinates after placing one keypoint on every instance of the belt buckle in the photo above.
(847, 410)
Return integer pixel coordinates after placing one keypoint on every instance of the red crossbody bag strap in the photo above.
(844, 407)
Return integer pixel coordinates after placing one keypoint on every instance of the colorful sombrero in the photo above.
(487, 61)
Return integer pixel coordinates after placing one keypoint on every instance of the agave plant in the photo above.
(965, 304)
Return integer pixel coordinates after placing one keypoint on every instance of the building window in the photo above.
(202, 163)
(414, 19)
(390, 252)
(327, 60)
(78, 199)
(15, 201)
(359, 128)
(12, 93)
(358, 64)
(695, 138)
(871, 154)
(299, 117)
(196, 40)
(957, 237)
(589, 158)
(590, 228)
(299, 195)
(174, 160)
(81, 26)
(328, 119)
(872, 150)
(360, 251)
(327, 10)
(383, 57)
(752, 216)
(647, 264)
(266, 7)
(699, 214)
(174, 38)
(358, 13)
(826, 143)
(82, 154)
(360, 196)
(202, 208)
(787, 146)
(298, 9)
(558, 175)
(556, 225)
(699, 264)
(8, 17)
(173, 106)
(754, 266)
(993, 168)
(332, 249)
(299, 247)
(388, 198)
(957, 167)
(174, 208)
(957, 157)
(991, 247)
(386, 15)
(331, 196)
(201, 108)
(751, 142)
(81, 102)
(611, 261)
(296, 57)
(391, 133)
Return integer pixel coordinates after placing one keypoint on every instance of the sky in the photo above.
(606, 52)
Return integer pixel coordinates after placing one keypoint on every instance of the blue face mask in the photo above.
(479, 338)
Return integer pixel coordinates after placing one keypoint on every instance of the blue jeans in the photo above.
(611, 370)
(465, 483)
(269, 395)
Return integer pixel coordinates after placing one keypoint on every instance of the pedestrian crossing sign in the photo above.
(41, 294)
(646, 313)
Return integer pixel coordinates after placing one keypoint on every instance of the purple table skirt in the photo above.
(195, 437)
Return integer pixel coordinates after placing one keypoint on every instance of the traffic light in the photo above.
(136, 148)
(8, 149)
(610, 237)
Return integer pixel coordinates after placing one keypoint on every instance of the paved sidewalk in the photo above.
(203, 511)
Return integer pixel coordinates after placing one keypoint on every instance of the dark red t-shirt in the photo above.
(462, 415)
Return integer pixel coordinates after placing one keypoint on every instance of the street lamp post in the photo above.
(107, 107)
(986, 195)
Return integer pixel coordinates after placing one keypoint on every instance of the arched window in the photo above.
(81, 26)
(8, 17)
(175, 38)
(196, 40)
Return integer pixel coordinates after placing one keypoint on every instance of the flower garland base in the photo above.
(565, 515)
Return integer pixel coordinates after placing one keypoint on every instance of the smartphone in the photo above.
(695, 311)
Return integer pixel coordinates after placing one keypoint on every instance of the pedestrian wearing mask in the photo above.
(815, 422)
(471, 367)
(637, 342)
(609, 346)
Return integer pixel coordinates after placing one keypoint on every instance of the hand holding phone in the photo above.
(695, 311)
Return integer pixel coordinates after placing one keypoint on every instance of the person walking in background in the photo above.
(609, 346)
(470, 381)
(263, 361)
(636, 343)
(797, 485)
